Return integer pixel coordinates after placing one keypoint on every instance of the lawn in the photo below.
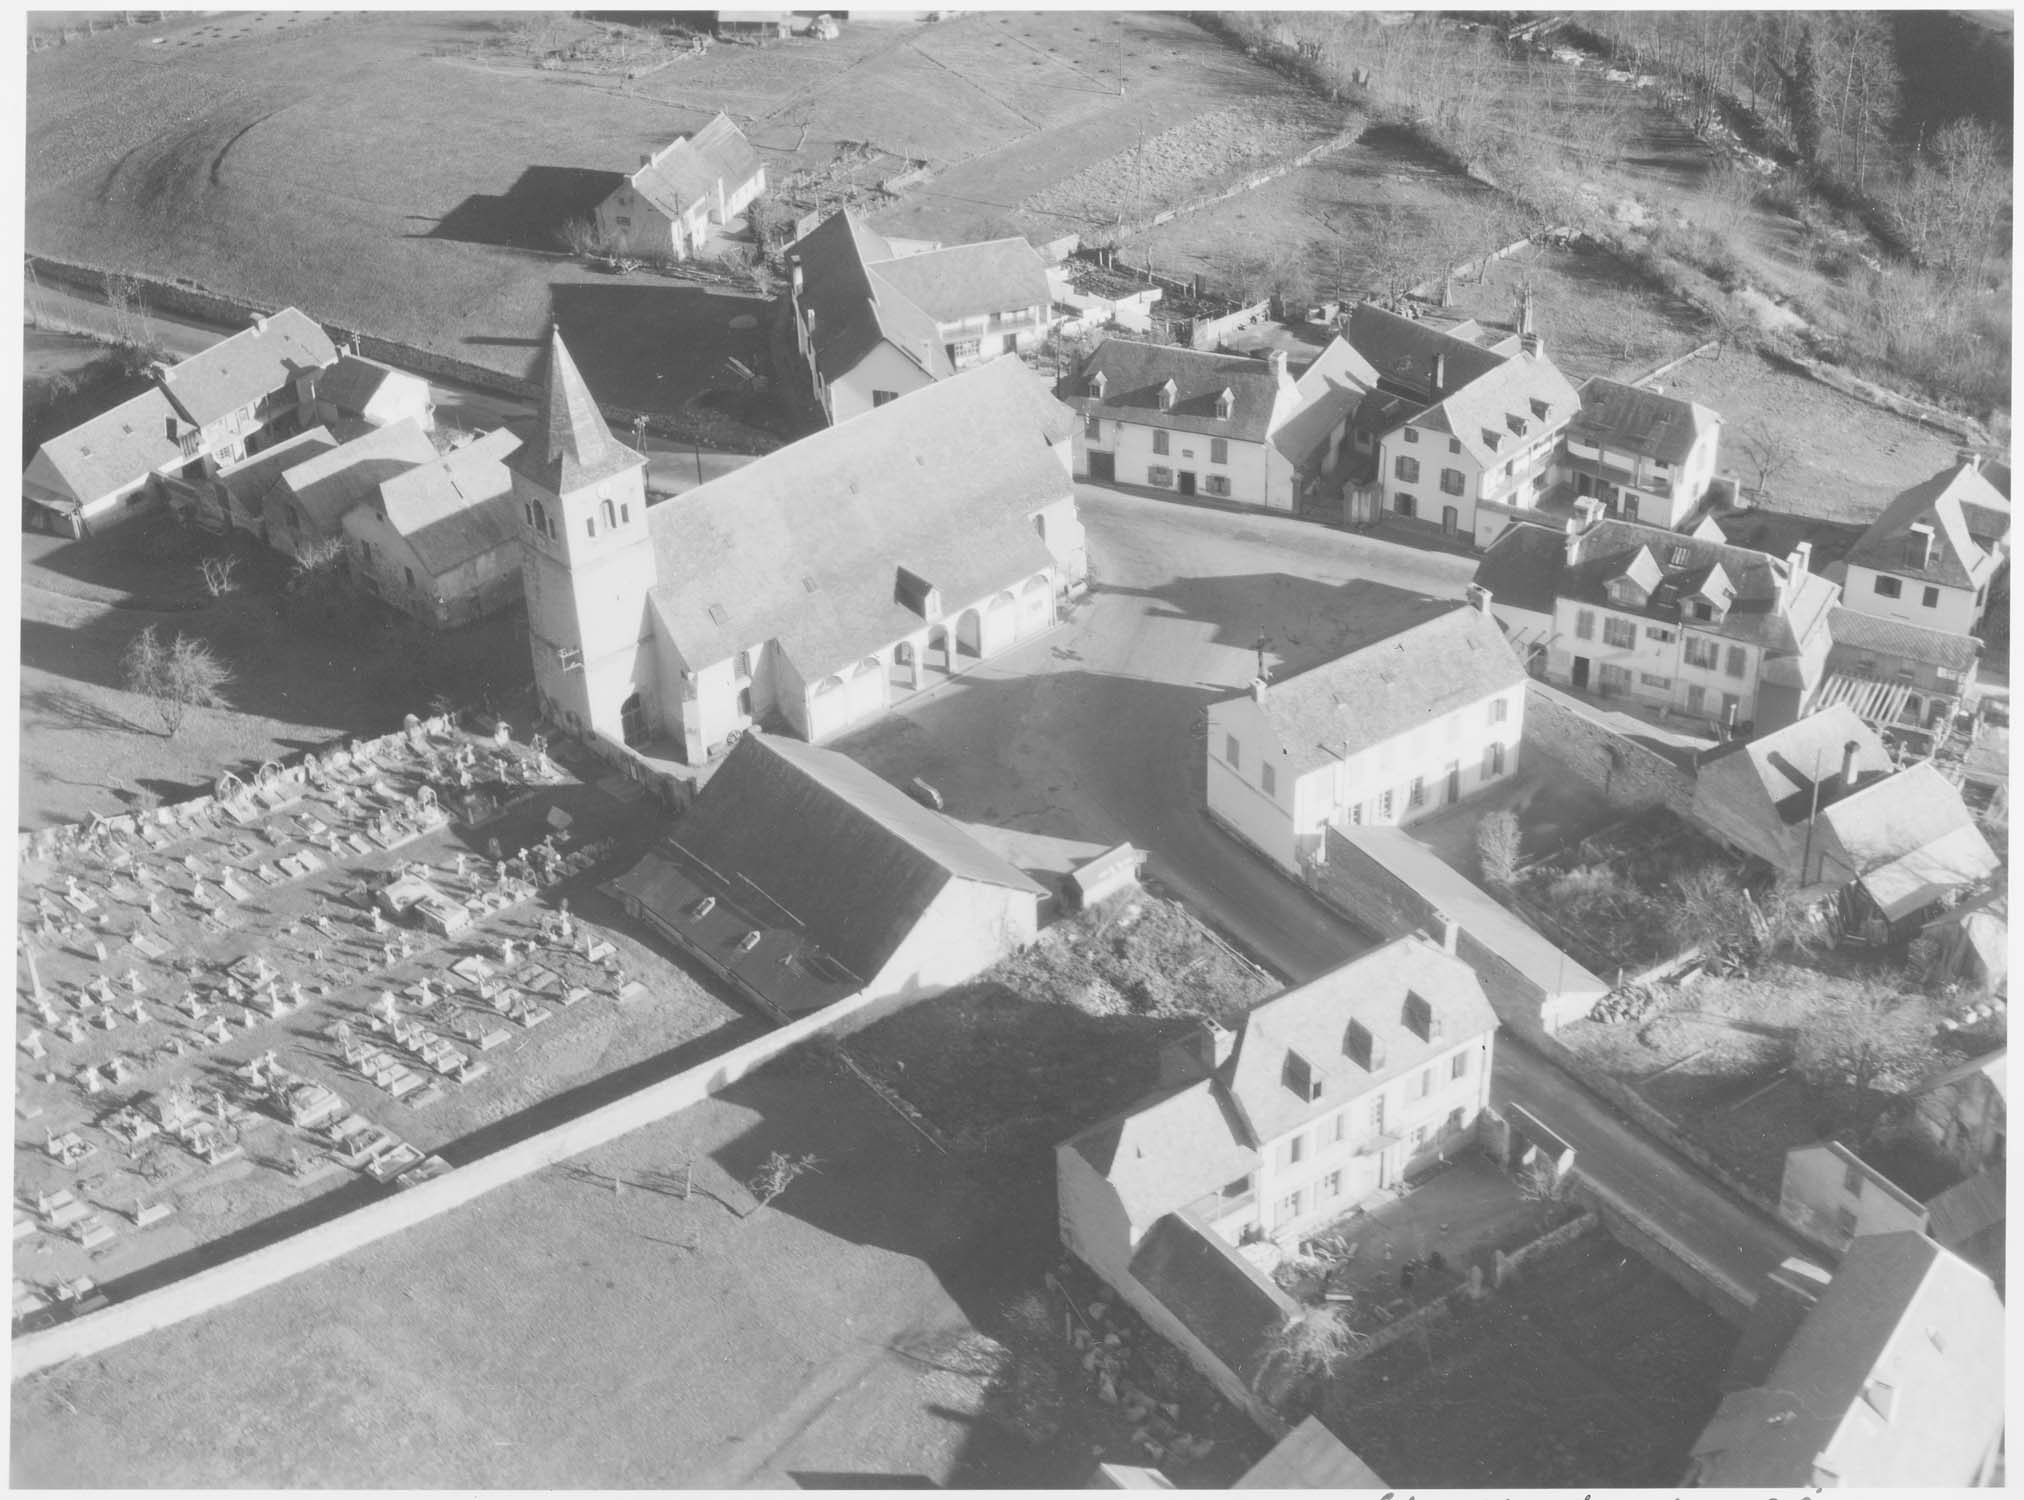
(89, 745)
(877, 1323)
(1591, 1370)
(1063, 1034)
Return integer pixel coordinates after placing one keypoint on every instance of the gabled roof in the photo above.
(351, 384)
(1134, 375)
(1521, 569)
(854, 859)
(1770, 779)
(1767, 610)
(854, 313)
(1221, 1298)
(725, 147)
(1312, 1020)
(459, 507)
(1856, 631)
(1495, 414)
(110, 451)
(1630, 419)
(1383, 690)
(1893, 1380)
(332, 482)
(252, 363)
(1166, 1152)
(1945, 503)
(1909, 839)
(802, 545)
(1310, 1457)
(967, 281)
(247, 482)
(568, 446)
(1403, 352)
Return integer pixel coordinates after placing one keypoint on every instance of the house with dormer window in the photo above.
(1929, 558)
(1322, 1096)
(1647, 456)
(1223, 426)
(1664, 618)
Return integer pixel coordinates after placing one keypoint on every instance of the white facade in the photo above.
(1665, 665)
(1189, 463)
(885, 374)
(1936, 606)
(1638, 488)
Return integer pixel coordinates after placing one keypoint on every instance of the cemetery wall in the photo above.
(220, 1285)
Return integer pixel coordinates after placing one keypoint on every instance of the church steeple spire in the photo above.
(570, 446)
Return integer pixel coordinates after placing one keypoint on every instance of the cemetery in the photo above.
(312, 978)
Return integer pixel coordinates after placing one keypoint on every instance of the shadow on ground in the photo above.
(530, 214)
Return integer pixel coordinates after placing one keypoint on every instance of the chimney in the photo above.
(1259, 687)
(1797, 563)
(1446, 928)
(808, 317)
(794, 263)
(1440, 374)
(1969, 459)
(259, 325)
(1525, 313)
(1194, 1056)
(1848, 765)
(646, 159)
(1532, 344)
(1276, 363)
(1479, 596)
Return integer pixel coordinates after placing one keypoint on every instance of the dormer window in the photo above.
(1492, 439)
(1362, 1047)
(1516, 423)
(1623, 591)
(1226, 403)
(1420, 1018)
(1700, 609)
(1299, 1077)
(1096, 384)
(1539, 409)
(1166, 396)
(1678, 557)
(1919, 546)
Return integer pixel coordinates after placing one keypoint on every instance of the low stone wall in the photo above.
(1707, 1283)
(1629, 775)
(220, 1285)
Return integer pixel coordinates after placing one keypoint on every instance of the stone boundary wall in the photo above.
(220, 1285)
(1709, 1285)
(1124, 229)
(1629, 775)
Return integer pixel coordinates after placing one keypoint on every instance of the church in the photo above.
(808, 591)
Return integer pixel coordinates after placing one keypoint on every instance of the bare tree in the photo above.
(1497, 849)
(1768, 450)
(778, 1173)
(218, 573)
(176, 677)
(1863, 1045)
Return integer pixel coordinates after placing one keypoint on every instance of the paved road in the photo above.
(1092, 733)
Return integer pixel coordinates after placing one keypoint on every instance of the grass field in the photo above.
(560, 1332)
(1591, 1370)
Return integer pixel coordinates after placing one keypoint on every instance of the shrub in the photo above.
(175, 678)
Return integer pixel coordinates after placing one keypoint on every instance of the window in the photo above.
(1844, 1220)
(1293, 1152)
(1215, 484)
(745, 662)
(1697, 698)
(1614, 679)
(1406, 469)
(1219, 450)
(528, 511)
(1377, 1114)
(1160, 475)
(1932, 598)
(1851, 1180)
(1888, 588)
(610, 514)
(541, 518)
(1404, 504)
(1493, 760)
(1092, 427)
(624, 514)
(1451, 481)
(1412, 435)
(1419, 1136)
(1162, 440)
(1232, 751)
(1268, 780)
(1454, 445)
(1288, 1209)
(1384, 806)
(411, 576)
(1738, 660)
(1458, 1066)
(1630, 507)
(1500, 710)
(1331, 1185)
(1617, 632)
(1238, 1188)
(1654, 680)
(1453, 1124)
(624, 221)
(880, 398)
(1356, 815)
(590, 525)
(1584, 624)
(1702, 652)
(1623, 591)
(1298, 1077)
(966, 348)
(1658, 633)
(1338, 1127)
(1426, 1083)
(1417, 792)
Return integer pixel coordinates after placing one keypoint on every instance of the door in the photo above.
(632, 721)
(1103, 467)
(1187, 478)
(1454, 781)
(1449, 518)
(1581, 671)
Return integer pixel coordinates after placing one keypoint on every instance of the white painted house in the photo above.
(670, 205)
(1388, 734)
(1929, 558)
(1647, 456)
(356, 389)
